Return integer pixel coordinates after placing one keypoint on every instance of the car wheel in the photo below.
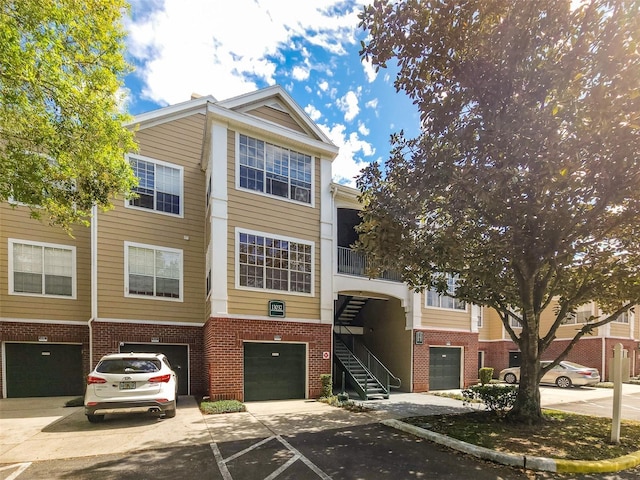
(510, 378)
(171, 412)
(563, 382)
(95, 418)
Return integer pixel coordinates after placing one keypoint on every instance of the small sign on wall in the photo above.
(419, 337)
(276, 308)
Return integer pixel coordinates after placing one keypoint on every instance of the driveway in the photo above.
(592, 401)
(296, 439)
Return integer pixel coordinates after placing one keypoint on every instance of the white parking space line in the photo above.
(247, 450)
(275, 474)
(220, 461)
(305, 460)
(21, 467)
(226, 475)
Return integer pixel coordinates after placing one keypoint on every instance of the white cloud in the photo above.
(349, 105)
(313, 112)
(195, 46)
(372, 103)
(346, 167)
(300, 73)
(369, 70)
(323, 85)
(362, 128)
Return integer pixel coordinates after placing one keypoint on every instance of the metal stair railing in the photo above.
(378, 369)
(375, 366)
(352, 363)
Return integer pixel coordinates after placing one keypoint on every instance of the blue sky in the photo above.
(309, 47)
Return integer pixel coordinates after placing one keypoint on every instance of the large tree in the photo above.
(62, 139)
(524, 181)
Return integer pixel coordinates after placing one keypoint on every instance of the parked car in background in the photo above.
(564, 375)
(131, 382)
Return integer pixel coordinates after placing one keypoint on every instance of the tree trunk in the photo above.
(527, 407)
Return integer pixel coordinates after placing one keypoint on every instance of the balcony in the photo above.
(351, 262)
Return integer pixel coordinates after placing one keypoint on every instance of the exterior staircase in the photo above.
(349, 310)
(359, 376)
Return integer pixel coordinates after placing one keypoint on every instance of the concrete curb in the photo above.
(531, 463)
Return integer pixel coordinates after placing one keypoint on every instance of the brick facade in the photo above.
(467, 340)
(223, 351)
(55, 333)
(108, 335)
(588, 352)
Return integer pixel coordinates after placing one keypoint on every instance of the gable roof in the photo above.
(275, 97)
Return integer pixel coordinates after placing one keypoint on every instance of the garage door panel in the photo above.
(43, 370)
(274, 371)
(178, 356)
(444, 368)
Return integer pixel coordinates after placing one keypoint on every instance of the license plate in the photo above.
(127, 385)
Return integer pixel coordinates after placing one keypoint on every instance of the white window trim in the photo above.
(446, 309)
(276, 237)
(74, 272)
(153, 247)
(622, 315)
(267, 195)
(127, 203)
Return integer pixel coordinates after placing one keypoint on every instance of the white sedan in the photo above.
(131, 382)
(564, 375)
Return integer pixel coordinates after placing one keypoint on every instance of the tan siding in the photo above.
(180, 143)
(445, 319)
(619, 330)
(267, 214)
(276, 116)
(492, 329)
(15, 223)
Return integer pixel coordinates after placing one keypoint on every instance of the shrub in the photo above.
(497, 398)
(327, 387)
(337, 401)
(485, 374)
(222, 406)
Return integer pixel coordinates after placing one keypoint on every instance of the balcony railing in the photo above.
(351, 262)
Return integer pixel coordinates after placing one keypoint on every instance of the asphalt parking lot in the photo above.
(40, 438)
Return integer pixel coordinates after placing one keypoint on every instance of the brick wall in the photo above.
(588, 352)
(223, 351)
(55, 333)
(108, 335)
(467, 340)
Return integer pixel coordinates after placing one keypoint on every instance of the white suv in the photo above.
(131, 382)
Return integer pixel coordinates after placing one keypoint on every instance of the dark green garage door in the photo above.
(43, 370)
(178, 356)
(274, 371)
(444, 368)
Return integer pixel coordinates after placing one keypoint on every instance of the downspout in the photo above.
(94, 279)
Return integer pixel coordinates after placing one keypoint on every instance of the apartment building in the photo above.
(236, 261)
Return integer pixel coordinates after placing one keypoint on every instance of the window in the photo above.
(42, 269)
(273, 263)
(623, 317)
(159, 187)
(274, 170)
(434, 299)
(153, 271)
(583, 313)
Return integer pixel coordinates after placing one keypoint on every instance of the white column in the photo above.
(219, 219)
(327, 247)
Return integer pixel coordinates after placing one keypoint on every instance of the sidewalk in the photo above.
(36, 429)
